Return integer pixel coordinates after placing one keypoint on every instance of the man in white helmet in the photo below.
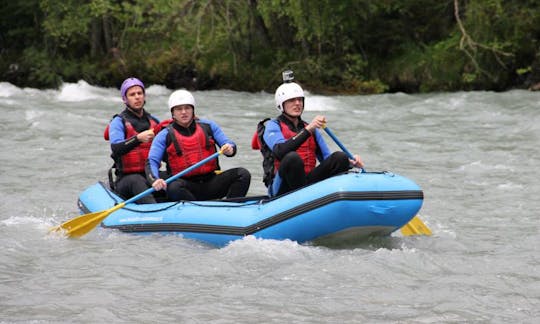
(296, 146)
(186, 141)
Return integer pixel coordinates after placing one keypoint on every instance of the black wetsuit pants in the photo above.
(130, 185)
(230, 183)
(293, 176)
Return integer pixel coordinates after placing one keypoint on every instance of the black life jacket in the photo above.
(258, 143)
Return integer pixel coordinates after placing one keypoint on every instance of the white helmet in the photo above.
(287, 91)
(181, 97)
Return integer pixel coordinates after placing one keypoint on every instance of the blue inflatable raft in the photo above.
(351, 205)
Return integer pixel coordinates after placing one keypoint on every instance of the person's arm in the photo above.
(322, 148)
(157, 150)
(220, 137)
(119, 144)
(277, 143)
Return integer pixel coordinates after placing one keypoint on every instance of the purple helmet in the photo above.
(128, 83)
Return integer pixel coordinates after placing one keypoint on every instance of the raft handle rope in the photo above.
(256, 200)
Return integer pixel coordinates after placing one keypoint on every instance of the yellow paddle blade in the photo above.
(83, 224)
(415, 227)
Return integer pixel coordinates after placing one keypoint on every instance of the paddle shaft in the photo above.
(338, 142)
(174, 177)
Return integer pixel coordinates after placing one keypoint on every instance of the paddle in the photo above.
(338, 142)
(81, 225)
(415, 226)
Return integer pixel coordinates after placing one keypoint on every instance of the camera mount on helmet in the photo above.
(287, 76)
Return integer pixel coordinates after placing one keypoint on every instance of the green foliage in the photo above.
(66, 22)
(523, 71)
(18, 28)
(349, 46)
(38, 69)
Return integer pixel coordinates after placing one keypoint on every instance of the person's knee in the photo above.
(244, 175)
(292, 161)
(341, 160)
(239, 184)
(177, 191)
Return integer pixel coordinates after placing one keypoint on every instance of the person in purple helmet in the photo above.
(131, 133)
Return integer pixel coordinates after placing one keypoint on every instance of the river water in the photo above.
(474, 154)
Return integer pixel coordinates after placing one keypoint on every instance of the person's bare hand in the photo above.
(317, 122)
(146, 136)
(227, 149)
(159, 184)
(357, 162)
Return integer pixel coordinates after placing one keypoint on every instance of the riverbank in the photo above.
(357, 47)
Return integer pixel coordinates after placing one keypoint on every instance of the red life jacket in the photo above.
(255, 142)
(134, 160)
(306, 150)
(184, 151)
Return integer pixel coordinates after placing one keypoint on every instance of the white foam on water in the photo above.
(82, 91)
(320, 103)
(9, 90)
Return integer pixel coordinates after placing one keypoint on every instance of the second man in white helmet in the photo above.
(294, 146)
